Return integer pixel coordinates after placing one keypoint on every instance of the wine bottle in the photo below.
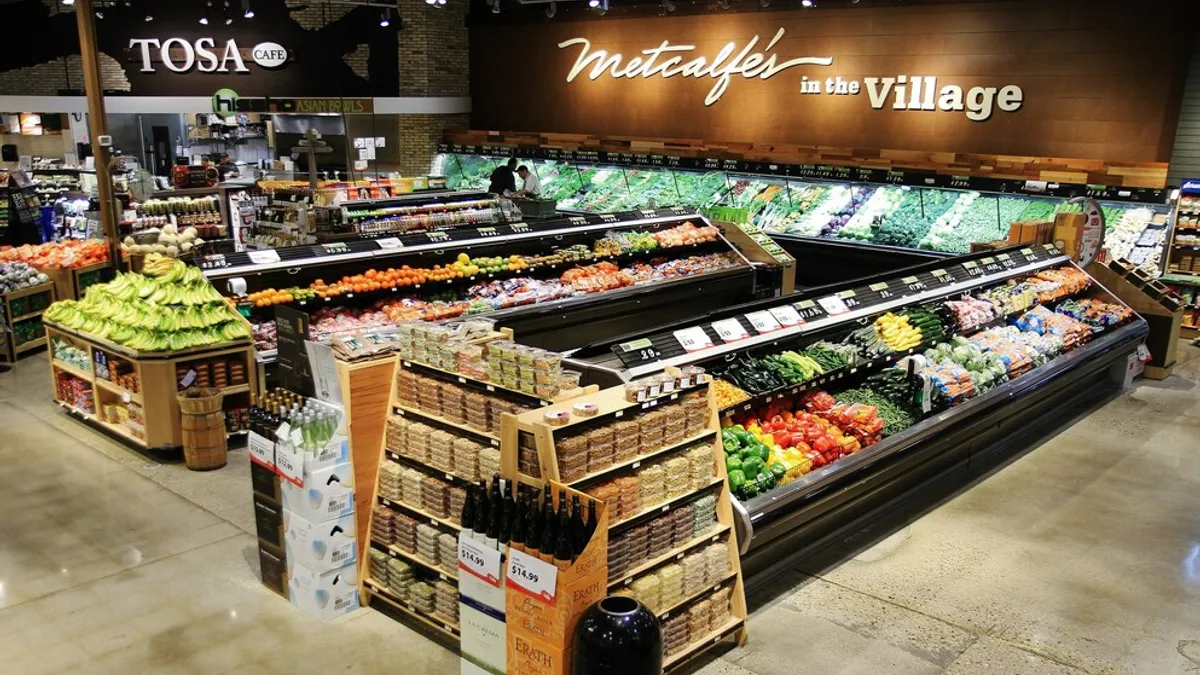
(564, 549)
(467, 519)
(549, 535)
(533, 530)
(479, 531)
(579, 538)
(590, 528)
(495, 517)
(517, 539)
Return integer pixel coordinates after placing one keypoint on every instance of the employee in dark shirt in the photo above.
(226, 167)
(504, 180)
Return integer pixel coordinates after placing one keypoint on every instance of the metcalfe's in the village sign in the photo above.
(904, 92)
(1071, 78)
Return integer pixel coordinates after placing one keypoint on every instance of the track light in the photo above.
(600, 5)
(99, 14)
(247, 13)
(431, 2)
(764, 3)
(207, 10)
(149, 18)
(551, 10)
(668, 5)
(495, 6)
(385, 19)
(723, 4)
(68, 2)
(808, 3)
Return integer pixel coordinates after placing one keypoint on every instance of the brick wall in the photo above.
(52, 77)
(433, 49)
(433, 62)
(419, 138)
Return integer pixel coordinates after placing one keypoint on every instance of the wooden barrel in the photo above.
(205, 445)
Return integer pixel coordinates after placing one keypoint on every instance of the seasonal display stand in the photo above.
(1158, 305)
(649, 450)
(133, 394)
(442, 435)
(23, 317)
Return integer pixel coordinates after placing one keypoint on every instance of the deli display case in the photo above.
(842, 399)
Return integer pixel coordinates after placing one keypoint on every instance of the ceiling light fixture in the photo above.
(68, 2)
(207, 10)
(385, 19)
(149, 18)
(247, 13)
(668, 5)
(723, 4)
(599, 5)
(99, 14)
(551, 10)
(495, 6)
(809, 3)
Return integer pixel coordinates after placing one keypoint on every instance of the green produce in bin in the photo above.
(766, 481)
(752, 467)
(749, 490)
(778, 470)
(737, 478)
(733, 463)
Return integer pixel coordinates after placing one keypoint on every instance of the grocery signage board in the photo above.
(286, 49)
(929, 77)
(899, 92)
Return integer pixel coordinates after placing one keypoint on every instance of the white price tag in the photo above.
(531, 576)
(262, 450)
(693, 339)
(476, 559)
(786, 316)
(833, 305)
(730, 330)
(289, 464)
(762, 321)
(389, 243)
(263, 257)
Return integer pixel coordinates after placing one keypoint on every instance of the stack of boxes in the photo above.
(304, 512)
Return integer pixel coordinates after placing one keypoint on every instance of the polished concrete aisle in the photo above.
(1083, 556)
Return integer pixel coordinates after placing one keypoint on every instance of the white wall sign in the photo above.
(902, 92)
(180, 55)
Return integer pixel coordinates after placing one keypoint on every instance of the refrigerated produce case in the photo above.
(612, 273)
(906, 209)
(969, 382)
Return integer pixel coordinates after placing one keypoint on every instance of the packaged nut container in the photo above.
(653, 386)
(570, 379)
(691, 376)
(668, 383)
(635, 392)
(546, 360)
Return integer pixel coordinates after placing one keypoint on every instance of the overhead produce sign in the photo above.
(902, 92)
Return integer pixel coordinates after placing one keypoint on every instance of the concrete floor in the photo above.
(1083, 556)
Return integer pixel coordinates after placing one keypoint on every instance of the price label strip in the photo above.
(637, 351)
(833, 305)
(693, 339)
(787, 316)
(389, 243)
(913, 283)
(850, 298)
(808, 309)
(730, 330)
(763, 322)
(972, 268)
(263, 257)
(882, 289)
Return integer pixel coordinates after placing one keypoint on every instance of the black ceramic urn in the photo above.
(617, 636)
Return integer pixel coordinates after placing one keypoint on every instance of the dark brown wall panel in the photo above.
(1101, 79)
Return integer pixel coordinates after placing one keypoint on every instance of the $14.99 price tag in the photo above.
(476, 559)
(531, 576)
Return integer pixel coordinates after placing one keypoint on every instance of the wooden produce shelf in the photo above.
(444, 474)
(453, 427)
(673, 555)
(20, 307)
(157, 383)
(429, 620)
(412, 510)
(72, 283)
(697, 647)
(415, 559)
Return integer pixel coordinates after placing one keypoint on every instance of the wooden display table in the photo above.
(136, 401)
(23, 316)
(71, 283)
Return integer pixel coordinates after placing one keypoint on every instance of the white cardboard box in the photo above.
(327, 494)
(324, 595)
(320, 546)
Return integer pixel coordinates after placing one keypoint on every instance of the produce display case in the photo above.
(889, 380)
(906, 209)
(23, 328)
(611, 272)
(654, 458)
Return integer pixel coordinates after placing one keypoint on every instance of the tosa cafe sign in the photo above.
(901, 92)
(204, 55)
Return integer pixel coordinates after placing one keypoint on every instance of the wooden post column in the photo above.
(98, 126)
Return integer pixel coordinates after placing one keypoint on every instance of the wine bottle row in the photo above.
(553, 533)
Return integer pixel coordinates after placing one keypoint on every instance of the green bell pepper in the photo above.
(736, 480)
(733, 463)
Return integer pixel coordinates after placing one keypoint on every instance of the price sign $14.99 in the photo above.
(531, 576)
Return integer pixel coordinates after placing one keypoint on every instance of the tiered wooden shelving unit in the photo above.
(614, 408)
(156, 374)
(21, 308)
(372, 589)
